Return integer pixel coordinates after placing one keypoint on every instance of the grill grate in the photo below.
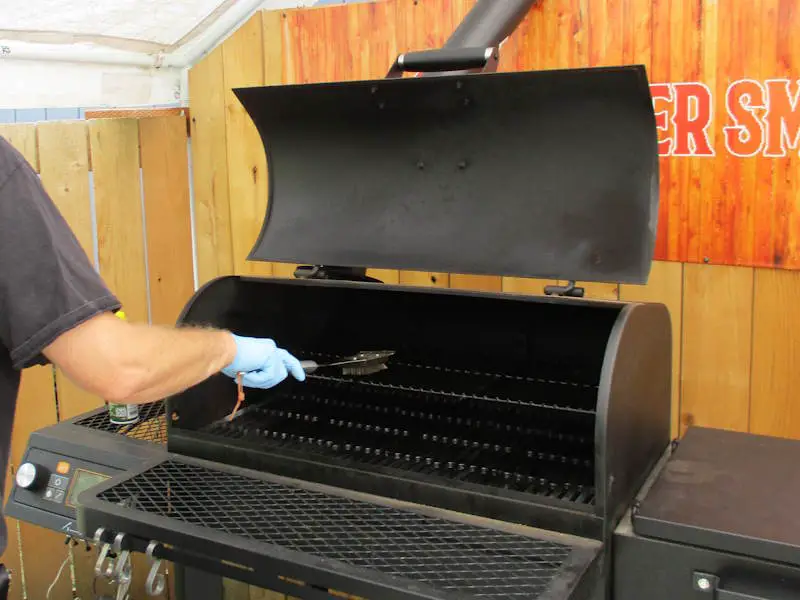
(151, 427)
(465, 439)
(447, 555)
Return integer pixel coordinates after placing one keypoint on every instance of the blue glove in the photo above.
(262, 363)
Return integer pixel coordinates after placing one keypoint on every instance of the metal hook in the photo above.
(99, 569)
(124, 569)
(124, 560)
(156, 582)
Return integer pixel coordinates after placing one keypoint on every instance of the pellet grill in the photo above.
(510, 433)
(495, 455)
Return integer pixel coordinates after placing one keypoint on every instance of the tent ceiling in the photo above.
(155, 22)
(149, 26)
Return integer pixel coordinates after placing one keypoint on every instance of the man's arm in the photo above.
(55, 307)
(133, 363)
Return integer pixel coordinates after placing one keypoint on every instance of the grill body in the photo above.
(545, 412)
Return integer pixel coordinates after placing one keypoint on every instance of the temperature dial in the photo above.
(30, 476)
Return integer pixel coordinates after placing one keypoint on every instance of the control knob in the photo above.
(30, 476)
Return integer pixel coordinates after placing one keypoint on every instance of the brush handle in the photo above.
(309, 366)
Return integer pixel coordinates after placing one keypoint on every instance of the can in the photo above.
(123, 414)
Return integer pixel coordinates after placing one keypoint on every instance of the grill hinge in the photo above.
(333, 273)
(564, 290)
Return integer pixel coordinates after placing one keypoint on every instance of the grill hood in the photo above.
(550, 174)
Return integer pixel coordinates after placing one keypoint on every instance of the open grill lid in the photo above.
(550, 174)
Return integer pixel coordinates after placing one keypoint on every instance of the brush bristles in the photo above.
(364, 370)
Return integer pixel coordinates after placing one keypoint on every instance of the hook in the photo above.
(156, 582)
(101, 569)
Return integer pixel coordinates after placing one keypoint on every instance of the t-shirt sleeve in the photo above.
(47, 282)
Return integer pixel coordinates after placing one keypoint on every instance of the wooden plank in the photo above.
(774, 409)
(261, 594)
(717, 336)
(424, 279)
(665, 286)
(485, 283)
(235, 590)
(388, 276)
(114, 146)
(64, 162)
(165, 177)
(243, 64)
(599, 290)
(64, 168)
(42, 550)
(527, 285)
(781, 174)
(212, 213)
(139, 113)
(23, 137)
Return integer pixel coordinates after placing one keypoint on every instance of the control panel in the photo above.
(63, 461)
(52, 482)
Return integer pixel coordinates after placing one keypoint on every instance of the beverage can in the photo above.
(123, 414)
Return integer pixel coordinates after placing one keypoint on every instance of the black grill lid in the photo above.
(550, 174)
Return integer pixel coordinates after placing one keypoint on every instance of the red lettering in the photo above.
(746, 136)
(662, 91)
(692, 118)
(782, 118)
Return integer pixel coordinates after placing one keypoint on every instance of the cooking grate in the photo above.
(447, 555)
(151, 427)
(435, 434)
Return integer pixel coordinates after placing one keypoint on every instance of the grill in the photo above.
(495, 440)
(498, 413)
(447, 555)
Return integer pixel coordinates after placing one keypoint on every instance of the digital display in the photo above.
(83, 480)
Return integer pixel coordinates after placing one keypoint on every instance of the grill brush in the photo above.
(363, 363)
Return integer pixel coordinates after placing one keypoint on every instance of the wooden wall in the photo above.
(735, 328)
(123, 186)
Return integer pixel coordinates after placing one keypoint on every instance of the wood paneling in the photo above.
(165, 176)
(118, 202)
(212, 213)
(243, 60)
(774, 406)
(484, 283)
(716, 346)
(425, 279)
(42, 549)
(64, 162)
(23, 137)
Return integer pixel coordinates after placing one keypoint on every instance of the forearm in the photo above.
(133, 363)
(165, 361)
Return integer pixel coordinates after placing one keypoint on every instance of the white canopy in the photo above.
(57, 53)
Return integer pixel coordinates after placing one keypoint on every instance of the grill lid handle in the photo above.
(446, 59)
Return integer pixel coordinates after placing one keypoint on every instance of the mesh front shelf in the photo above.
(151, 426)
(446, 555)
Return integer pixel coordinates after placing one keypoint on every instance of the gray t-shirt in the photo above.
(47, 286)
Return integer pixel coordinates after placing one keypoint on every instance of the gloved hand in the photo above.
(262, 363)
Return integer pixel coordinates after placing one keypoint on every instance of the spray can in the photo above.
(123, 414)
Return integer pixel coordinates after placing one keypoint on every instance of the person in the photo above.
(56, 309)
